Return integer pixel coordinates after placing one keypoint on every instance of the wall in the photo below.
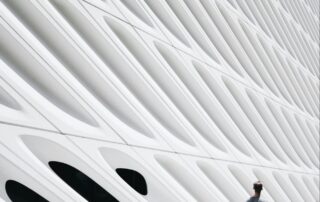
(202, 98)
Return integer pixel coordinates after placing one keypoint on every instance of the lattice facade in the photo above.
(159, 100)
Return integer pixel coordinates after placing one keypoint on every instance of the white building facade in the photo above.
(159, 100)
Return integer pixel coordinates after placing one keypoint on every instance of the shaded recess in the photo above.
(35, 74)
(224, 100)
(313, 148)
(193, 29)
(137, 10)
(312, 187)
(185, 178)
(291, 74)
(154, 69)
(245, 9)
(258, 124)
(273, 127)
(280, 79)
(288, 187)
(7, 100)
(283, 71)
(256, 53)
(214, 35)
(260, 21)
(242, 178)
(72, 60)
(303, 190)
(163, 15)
(192, 85)
(298, 131)
(95, 81)
(239, 44)
(220, 180)
(271, 186)
(249, 128)
(286, 128)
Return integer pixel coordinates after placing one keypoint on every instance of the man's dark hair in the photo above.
(257, 186)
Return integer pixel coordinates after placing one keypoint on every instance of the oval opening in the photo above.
(81, 183)
(125, 166)
(133, 179)
(18, 192)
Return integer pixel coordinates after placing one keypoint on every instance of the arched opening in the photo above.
(17, 192)
(133, 179)
(81, 183)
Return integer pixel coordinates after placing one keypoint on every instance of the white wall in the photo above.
(202, 97)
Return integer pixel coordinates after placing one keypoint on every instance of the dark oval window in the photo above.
(81, 183)
(134, 179)
(19, 193)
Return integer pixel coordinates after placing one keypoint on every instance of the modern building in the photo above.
(159, 100)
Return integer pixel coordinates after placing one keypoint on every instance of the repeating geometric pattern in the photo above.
(200, 97)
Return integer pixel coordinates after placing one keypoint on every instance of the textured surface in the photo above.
(201, 97)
